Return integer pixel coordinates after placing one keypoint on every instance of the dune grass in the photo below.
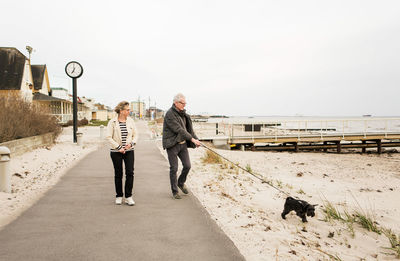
(394, 241)
(359, 216)
(331, 213)
(211, 158)
(248, 168)
(367, 222)
(364, 220)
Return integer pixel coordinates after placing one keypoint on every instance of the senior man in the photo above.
(178, 135)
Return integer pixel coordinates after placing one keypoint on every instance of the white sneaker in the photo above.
(129, 201)
(118, 200)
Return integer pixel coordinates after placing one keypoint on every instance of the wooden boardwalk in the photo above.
(309, 141)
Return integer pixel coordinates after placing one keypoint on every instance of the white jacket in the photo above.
(114, 133)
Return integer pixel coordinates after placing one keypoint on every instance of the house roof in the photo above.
(38, 72)
(100, 106)
(12, 63)
(37, 96)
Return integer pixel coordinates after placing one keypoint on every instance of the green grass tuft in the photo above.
(248, 168)
(394, 241)
(367, 222)
(331, 213)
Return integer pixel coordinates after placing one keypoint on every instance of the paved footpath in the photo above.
(77, 218)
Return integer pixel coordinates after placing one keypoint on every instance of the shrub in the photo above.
(83, 122)
(69, 123)
(20, 119)
(80, 123)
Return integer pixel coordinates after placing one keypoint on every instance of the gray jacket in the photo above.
(174, 130)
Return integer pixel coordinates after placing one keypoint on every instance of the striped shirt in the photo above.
(124, 134)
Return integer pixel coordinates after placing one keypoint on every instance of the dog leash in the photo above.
(268, 182)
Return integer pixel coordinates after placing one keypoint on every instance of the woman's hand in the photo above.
(128, 146)
(122, 150)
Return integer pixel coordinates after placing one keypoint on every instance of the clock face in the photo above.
(74, 69)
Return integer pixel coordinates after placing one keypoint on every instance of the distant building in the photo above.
(138, 109)
(99, 112)
(89, 102)
(110, 112)
(86, 107)
(154, 113)
(84, 112)
(15, 74)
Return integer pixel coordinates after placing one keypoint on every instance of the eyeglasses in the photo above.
(183, 103)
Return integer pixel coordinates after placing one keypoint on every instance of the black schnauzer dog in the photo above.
(301, 207)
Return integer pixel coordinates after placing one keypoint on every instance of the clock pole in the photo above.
(74, 108)
(74, 70)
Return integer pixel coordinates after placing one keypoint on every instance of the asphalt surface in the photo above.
(78, 220)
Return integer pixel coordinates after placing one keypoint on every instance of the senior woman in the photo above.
(122, 136)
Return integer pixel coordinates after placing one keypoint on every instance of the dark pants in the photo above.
(128, 159)
(181, 151)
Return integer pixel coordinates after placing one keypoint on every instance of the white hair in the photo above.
(178, 97)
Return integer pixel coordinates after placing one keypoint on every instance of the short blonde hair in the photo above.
(121, 106)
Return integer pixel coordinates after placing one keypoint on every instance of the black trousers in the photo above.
(181, 151)
(128, 158)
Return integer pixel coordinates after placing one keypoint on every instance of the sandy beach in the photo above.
(35, 172)
(249, 211)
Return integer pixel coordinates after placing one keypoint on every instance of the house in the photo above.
(84, 112)
(42, 95)
(99, 112)
(15, 74)
(86, 108)
(41, 81)
(110, 113)
(60, 108)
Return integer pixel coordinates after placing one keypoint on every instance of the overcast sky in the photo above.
(314, 58)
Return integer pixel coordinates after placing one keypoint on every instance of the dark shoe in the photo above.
(177, 196)
(184, 189)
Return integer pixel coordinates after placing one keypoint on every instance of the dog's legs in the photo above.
(284, 213)
(302, 216)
